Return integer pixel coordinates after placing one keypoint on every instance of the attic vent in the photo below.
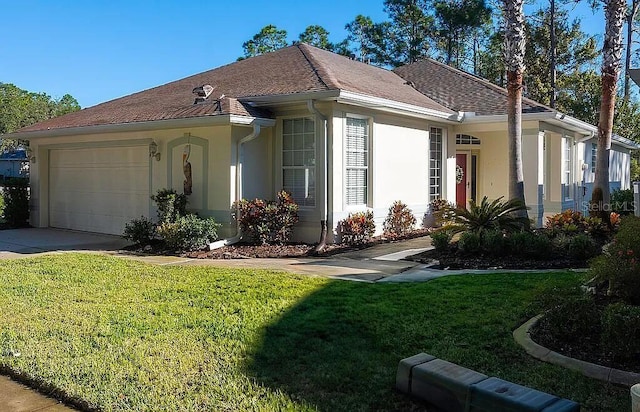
(202, 93)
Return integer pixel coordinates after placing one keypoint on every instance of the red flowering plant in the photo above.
(357, 228)
(267, 221)
(571, 222)
(619, 265)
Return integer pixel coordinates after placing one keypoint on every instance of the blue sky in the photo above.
(98, 50)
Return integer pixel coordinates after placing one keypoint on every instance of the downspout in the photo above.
(325, 205)
(238, 195)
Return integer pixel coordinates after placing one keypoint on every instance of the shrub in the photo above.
(140, 231)
(619, 265)
(572, 320)
(571, 222)
(399, 221)
(492, 242)
(267, 221)
(469, 243)
(440, 239)
(171, 205)
(620, 331)
(16, 203)
(188, 233)
(622, 201)
(357, 228)
(442, 212)
(495, 215)
(581, 247)
(1, 204)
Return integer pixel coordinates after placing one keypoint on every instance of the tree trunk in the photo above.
(514, 128)
(614, 11)
(514, 46)
(630, 18)
(552, 59)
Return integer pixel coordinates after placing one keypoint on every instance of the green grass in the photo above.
(113, 334)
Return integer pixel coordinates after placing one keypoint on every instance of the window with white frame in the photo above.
(466, 139)
(435, 163)
(594, 153)
(356, 161)
(566, 167)
(299, 160)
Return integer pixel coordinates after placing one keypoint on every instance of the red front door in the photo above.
(461, 180)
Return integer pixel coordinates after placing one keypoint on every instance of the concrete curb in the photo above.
(522, 336)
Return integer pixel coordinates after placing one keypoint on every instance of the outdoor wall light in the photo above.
(153, 150)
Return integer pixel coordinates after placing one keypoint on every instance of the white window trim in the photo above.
(567, 143)
(279, 163)
(443, 143)
(368, 204)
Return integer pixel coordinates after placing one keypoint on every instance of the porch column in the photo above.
(532, 164)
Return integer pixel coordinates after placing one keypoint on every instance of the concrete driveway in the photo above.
(25, 242)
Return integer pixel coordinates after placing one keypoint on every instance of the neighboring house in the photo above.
(14, 163)
(340, 135)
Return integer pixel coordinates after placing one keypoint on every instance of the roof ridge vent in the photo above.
(202, 93)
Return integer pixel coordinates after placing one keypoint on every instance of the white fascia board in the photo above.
(142, 126)
(396, 107)
(624, 142)
(555, 118)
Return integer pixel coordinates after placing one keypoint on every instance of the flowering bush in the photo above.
(399, 221)
(619, 265)
(267, 221)
(442, 212)
(357, 228)
(571, 222)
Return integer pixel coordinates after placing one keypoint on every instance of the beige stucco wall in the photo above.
(216, 198)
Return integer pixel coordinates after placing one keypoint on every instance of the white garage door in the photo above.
(98, 189)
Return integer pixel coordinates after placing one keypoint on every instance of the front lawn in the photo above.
(122, 335)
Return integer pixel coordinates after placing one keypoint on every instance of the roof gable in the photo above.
(462, 91)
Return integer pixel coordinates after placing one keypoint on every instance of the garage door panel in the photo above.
(98, 189)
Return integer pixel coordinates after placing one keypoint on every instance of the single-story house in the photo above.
(338, 134)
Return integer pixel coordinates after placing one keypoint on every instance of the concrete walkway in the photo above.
(15, 397)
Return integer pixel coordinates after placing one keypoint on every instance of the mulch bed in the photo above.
(451, 260)
(587, 348)
(289, 250)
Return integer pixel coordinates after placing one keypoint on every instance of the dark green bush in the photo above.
(469, 243)
(400, 220)
(531, 244)
(620, 331)
(267, 221)
(140, 231)
(622, 201)
(572, 320)
(171, 205)
(16, 203)
(619, 265)
(492, 242)
(440, 239)
(581, 247)
(188, 233)
(357, 228)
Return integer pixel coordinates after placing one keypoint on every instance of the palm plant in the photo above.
(494, 215)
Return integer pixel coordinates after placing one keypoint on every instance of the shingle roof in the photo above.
(461, 91)
(293, 70)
